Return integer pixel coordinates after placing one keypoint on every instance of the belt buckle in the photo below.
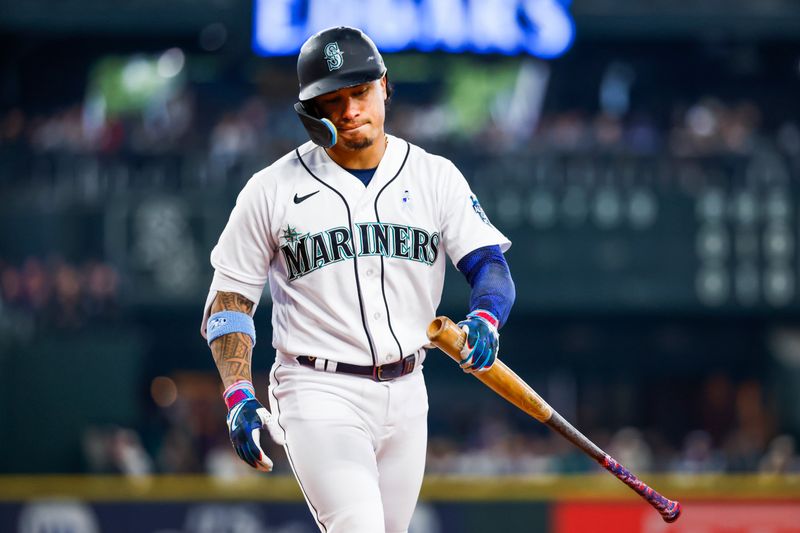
(400, 368)
(379, 374)
(408, 363)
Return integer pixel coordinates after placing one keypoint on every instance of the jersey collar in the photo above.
(327, 170)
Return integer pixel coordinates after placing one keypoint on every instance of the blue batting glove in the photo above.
(483, 341)
(246, 418)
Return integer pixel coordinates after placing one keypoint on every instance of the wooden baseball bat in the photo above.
(449, 338)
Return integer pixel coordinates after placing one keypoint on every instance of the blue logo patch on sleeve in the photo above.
(476, 205)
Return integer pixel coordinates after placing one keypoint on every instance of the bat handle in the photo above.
(670, 510)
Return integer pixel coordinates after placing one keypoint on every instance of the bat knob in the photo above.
(671, 513)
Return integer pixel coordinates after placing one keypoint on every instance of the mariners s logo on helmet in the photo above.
(334, 56)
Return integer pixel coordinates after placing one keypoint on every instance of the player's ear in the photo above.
(384, 83)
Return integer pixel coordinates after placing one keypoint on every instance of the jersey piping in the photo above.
(370, 341)
(378, 220)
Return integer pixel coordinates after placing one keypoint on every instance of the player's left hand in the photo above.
(245, 420)
(483, 341)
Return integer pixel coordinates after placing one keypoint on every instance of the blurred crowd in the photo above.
(56, 293)
(175, 126)
(259, 125)
(737, 434)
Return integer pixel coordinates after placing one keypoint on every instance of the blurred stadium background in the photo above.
(643, 156)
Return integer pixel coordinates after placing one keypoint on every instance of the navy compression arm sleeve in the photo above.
(487, 273)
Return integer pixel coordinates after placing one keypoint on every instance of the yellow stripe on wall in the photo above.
(281, 488)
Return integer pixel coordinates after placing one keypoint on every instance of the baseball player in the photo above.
(352, 231)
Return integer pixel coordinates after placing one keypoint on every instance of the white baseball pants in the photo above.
(357, 447)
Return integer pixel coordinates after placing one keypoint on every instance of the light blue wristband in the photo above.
(225, 322)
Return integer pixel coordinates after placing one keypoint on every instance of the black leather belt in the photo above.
(385, 372)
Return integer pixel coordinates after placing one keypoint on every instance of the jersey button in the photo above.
(370, 272)
(376, 316)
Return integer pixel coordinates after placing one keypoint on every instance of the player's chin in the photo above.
(357, 142)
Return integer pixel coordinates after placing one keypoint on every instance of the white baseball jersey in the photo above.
(356, 273)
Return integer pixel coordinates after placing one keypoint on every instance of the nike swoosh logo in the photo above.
(234, 415)
(298, 199)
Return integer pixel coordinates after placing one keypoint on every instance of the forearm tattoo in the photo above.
(232, 352)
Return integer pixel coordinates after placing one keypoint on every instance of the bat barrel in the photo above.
(447, 336)
(435, 327)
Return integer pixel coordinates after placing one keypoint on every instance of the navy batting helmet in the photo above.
(331, 60)
(337, 58)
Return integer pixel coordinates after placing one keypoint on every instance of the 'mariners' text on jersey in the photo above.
(305, 253)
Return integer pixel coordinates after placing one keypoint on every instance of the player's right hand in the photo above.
(245, 421)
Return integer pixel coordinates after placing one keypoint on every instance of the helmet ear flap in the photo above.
(321, 130)
(310, 108)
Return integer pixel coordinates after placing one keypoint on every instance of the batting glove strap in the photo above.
(238, 392)
(485, 315)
